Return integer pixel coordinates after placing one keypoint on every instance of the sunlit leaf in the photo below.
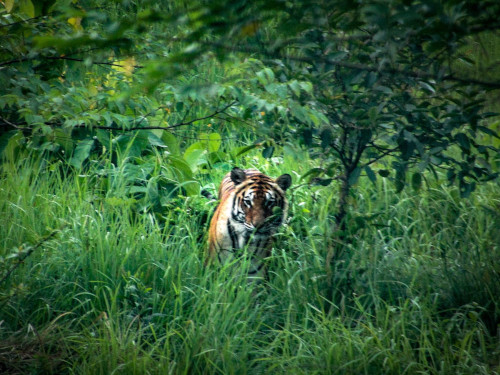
(76, 23)
(195, 155)
(9, 4)
(26, 7)
(214, 142)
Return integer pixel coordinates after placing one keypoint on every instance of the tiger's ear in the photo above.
(238, 175)
(284, 181)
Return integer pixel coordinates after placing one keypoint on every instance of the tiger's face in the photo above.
(251, 207)
(260, 203)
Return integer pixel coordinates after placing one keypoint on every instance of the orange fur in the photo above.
(245, 218)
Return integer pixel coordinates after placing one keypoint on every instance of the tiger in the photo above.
(251, 208)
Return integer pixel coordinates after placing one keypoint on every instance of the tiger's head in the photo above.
(259, 201)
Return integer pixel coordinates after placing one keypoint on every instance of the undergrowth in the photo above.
(123, 290)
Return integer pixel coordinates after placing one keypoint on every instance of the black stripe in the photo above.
(232, 235)
(237, 193)
(257, 246)
(264, 248)
(259, 185)
(236, 202)
(258, 268)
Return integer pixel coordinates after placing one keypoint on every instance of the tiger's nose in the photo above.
(258, 221)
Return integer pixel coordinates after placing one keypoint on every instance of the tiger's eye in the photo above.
(270, 201)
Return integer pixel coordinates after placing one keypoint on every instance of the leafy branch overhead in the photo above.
(392, 80)
(137, 126)
(375, 89)
(117, 116)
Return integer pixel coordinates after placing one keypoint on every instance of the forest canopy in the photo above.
(119, 119)
(356, 83)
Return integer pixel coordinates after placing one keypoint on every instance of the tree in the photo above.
(391, 93)
(386, 75)
(71, 79)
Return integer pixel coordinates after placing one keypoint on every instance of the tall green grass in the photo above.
(118, 291)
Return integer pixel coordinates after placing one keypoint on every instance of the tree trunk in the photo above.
(342, 205)
(339, 239)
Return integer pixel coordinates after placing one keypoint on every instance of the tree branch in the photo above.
(275, 53)
(354, 66)
(23, 59)
(24, 21)
(382, 155)
(183, 123)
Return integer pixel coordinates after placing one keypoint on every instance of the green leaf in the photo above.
(314, 172)
(371, 175)
(295, 87)
(179, 106)
(81, 153)
(488, 131)
(427, 87)
(5, 138)
(208, 143)
(154, 140)
(384, 89)
(307, 136)
(182, 170)
(337, 55)
(26, 7)
(463, 141)
(9, 4)
(322, 181)
(192, 188)
(399, 180)
(416, 181)
(63, 138)
(268, 152)
(265, 76)
(466, 188)
(306, 86)
(132, 145)
(217, 157)
(194, 156)
(13, 144)
(245, 149)
(104, 137)
(214, 142)
(326, 136)
(354, 176)
(171, 142)
(183, 175)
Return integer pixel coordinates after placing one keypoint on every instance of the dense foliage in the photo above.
(360, 84)
(114, 116)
